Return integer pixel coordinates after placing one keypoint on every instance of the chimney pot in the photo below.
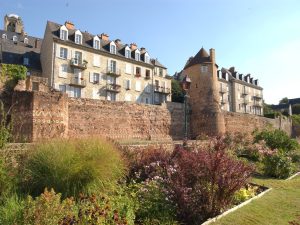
(104, 37)
(133, 46)
(118, 41)
(69, 25)
(36, 42)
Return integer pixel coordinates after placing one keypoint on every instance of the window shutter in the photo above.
(91, 77)
(108, 65)
(58, 51)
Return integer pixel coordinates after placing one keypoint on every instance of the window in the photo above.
(127, 84)
(138, 86)
(4, 36)
(96, 43)
(78, 38)
(160, 72)
(25, 40)
(96, 78)
(96, 60)
(137, 71)
(63, 71)
(113, 48)
(147, 74)
(62, 88)
(204, 69)
(147, 100)
(26, 61)
(113, 66)
(63, 33)
(137, 56)
(156, 85)
(15, 38)
(63, 53)
(75, 92)
(128, 68)
(127, 53)
(78, 57)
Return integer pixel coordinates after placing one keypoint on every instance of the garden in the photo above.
(94, 181)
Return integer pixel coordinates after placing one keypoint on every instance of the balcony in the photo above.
(245, 92)
(257, 96)
(113, 87)
(257, 103)
(78, 63)
(113, 72)
(223, 90)
(77, 82)
(162, 90)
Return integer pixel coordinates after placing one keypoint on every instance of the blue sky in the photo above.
(261, 37)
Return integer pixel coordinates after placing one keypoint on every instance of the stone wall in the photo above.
(239, 122)
(118, 120)
(39, 115)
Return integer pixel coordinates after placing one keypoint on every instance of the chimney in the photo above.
(212, 54)
(118, 41)
(133, 46)
(104, 37)
(143, 50)
(69, 25)
(36, 42)
(232, 69)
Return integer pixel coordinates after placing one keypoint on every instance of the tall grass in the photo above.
(72, 167)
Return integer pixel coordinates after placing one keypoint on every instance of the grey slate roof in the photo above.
(201, 57)
(155, 62)
(14, 52)
(87, 41)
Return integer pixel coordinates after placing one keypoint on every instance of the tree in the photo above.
(285, 100)
(296, 109)
(177, 92)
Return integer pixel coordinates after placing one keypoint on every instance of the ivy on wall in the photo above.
(14, 72)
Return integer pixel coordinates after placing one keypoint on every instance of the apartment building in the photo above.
(237, 92)
(16, 47)
(93, 66)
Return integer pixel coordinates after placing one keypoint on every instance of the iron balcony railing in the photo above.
(112, 71)
(113, 87)
(80, 82)
(162, 90)
(77, 63)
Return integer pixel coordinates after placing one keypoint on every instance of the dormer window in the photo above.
(63, 33)
(4, 36)
(78, 37)
(127, 52)
(25, 40)
(15, 38)
(96, 42)
(147, 58)
(113, 48)
(26, 61)
(137, 56)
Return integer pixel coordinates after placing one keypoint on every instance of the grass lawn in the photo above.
(277, 207)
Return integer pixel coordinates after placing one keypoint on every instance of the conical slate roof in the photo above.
(201, 57)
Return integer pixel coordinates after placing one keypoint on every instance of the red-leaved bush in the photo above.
(200, 182)
(205, 181)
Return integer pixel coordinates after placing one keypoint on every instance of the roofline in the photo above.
(69, 43)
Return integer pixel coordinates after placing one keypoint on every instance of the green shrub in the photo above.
(277, 139)
(6, 181)
(296, 119)
(244, 194)
(278, 165)
(72, 167)
(154, 207)
(5, 127)
(11, 210)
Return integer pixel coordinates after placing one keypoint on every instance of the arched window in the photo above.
(137, 55)
(127, 52)
(25, 40)
(96, 42)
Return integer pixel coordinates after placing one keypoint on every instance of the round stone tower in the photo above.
(206, 114)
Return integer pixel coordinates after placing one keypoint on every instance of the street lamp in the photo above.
(185, 84)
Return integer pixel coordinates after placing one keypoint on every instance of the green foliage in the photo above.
(296, 119)
(268, 109)
(278, 165)
(72, 167)
(6, 181)
(154, 207)
(277, 139)
(296, 109)
(244, 194)
(11, 210)
(5, 127)
(12, 73)
(49, 209)
(284, 100)
(177, 92)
